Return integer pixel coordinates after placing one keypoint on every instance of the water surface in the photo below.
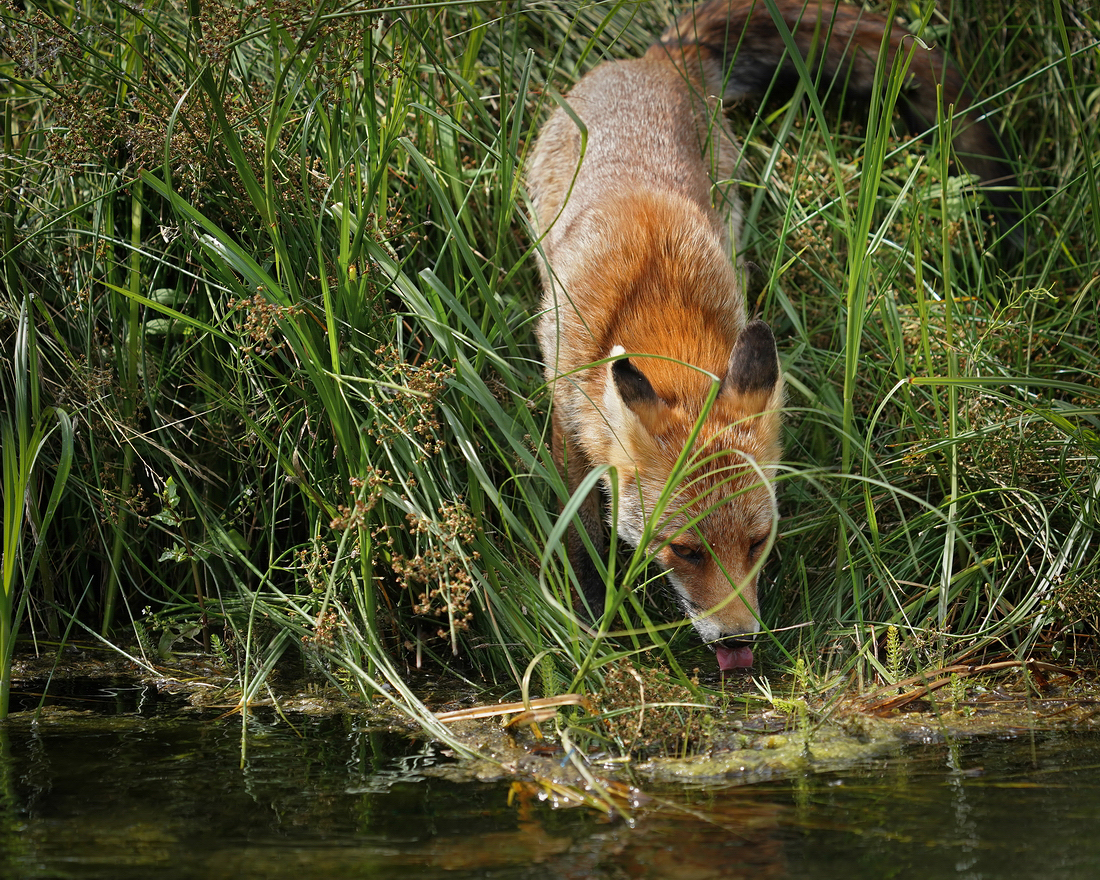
(149, 790)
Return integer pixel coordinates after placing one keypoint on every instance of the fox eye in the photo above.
(757, 548)
(687, 552)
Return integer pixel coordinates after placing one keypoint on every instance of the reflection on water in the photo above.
(163, 794)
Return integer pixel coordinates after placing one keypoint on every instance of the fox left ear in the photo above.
(631, 383)
(752, 377)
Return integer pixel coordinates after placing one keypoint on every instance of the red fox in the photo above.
(644, 326)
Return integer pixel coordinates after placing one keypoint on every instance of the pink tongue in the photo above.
(733, 658)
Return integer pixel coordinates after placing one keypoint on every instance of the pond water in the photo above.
(146, 790)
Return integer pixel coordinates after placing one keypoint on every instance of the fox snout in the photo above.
(716, 584)
(723, 608)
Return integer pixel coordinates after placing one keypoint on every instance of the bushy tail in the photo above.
(737, 48)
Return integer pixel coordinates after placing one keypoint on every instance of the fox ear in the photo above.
(752, 378)
(631, 383)
(636, 394)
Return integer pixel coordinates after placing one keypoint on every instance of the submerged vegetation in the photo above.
(267, 293)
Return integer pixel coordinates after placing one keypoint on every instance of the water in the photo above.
(150, 790)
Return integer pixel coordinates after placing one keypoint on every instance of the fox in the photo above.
(658, 375)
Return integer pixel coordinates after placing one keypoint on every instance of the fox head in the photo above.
(711, 528)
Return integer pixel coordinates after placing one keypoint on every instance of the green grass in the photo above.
(274, 267)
